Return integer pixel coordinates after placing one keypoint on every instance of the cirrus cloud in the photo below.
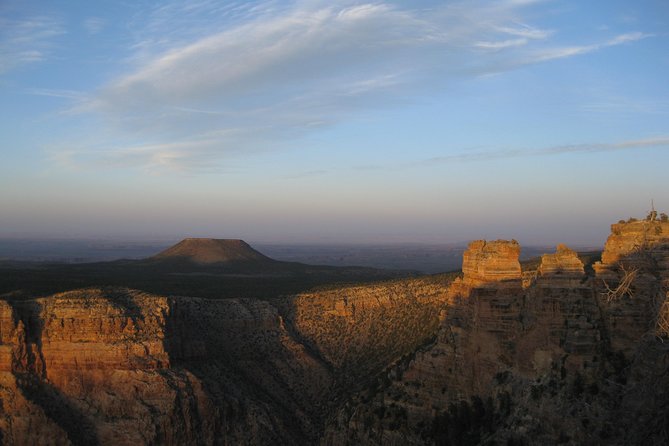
(273, 73)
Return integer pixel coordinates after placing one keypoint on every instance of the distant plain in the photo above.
(423, 258)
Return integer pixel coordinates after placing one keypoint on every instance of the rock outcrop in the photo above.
(491, 263)
(628, 238)
(633, 280)
(513, 352)
(562, 269)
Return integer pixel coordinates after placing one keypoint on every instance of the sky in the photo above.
(332, 121)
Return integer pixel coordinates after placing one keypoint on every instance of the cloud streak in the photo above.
(563, 52)
(25, 41)
(661, 142)
(274, 72)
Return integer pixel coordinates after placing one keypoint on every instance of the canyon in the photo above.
(560, 351)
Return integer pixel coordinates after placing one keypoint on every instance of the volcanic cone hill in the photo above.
(209, 251)
(201, 267)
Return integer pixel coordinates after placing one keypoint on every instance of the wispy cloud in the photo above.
(181, 157)
(94, 25)
(615, 103)
(278, 70)
(661, 142)
(26, 40)
(569, 51)
(526, 31)
(56, 93)
(522, 34)
(501, 44)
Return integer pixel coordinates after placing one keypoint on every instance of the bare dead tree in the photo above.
(624, 287)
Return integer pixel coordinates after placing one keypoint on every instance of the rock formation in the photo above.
(628, 238)
(491, 263)
(562, 269)
(511, 360)
(360, 330)
(633, 279)
(560, 354)
(120, 367)
(205, 251)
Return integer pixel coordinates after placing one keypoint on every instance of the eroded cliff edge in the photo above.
(118, 366)
(545, 356)
(121, 367)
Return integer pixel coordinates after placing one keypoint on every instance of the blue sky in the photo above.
(324, 121)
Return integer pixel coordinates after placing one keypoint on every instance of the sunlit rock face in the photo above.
(536, 346)
(562, 317)
(633, 280)
(120, 367)
(628, 238)
(361, 329)
(492, 263)
(563, 268)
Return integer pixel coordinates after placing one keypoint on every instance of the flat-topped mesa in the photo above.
(563, 268)
(492, 264)
(206, 251)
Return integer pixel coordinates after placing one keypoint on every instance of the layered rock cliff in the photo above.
(557, 354)
(360, 330)
(550, 356)
(121, 367)
(491, 263)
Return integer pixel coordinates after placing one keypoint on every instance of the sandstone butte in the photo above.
(499, 355)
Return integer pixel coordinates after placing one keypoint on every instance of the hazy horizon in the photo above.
(423, 257)
(315, 238)
(338, 122)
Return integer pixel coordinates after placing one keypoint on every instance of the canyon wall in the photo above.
(121, 367)
(543, 356)
(117, 366)
(558, 354)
